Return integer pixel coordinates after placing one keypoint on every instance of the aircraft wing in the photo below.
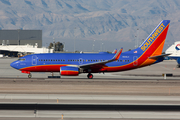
(158, 56)
(101, 63)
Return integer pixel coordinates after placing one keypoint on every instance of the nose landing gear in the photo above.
(90, 76)
(29, 76)
(27, 72)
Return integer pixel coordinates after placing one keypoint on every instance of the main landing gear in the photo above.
(29, 76)
(90, 76)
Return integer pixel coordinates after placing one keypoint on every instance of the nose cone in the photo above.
(14, 65)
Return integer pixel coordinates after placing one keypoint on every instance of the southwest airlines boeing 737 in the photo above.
(73, 64)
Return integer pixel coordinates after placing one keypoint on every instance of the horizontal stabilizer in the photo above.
(158, 56)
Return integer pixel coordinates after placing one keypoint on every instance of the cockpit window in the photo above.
(21, 59)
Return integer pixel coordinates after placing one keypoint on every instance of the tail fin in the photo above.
(154, 43)
(174, 49)
(152, 47)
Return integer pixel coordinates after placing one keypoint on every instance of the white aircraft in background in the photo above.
(174, 51)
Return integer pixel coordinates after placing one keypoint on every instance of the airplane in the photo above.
(73, 64)
(174, 51)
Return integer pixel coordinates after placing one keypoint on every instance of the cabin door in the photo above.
(34, 60)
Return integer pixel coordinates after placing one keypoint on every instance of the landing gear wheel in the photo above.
(29, 76)
(90, 76)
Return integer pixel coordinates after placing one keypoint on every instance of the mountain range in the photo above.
(87, 22)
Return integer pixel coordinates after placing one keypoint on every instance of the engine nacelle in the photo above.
(69, 71)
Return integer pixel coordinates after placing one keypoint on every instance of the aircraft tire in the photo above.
(29, 76)
(90, 76)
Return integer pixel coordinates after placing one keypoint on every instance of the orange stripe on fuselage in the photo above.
(151, 61)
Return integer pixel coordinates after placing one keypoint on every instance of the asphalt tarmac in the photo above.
(88, 86)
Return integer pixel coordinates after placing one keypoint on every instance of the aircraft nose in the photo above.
(14, 65)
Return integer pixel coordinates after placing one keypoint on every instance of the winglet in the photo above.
(115, 51)
(116, 57)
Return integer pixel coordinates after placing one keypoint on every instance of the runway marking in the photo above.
(120, 114)
(5, 96)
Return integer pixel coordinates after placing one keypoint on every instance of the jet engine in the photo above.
(69, 71)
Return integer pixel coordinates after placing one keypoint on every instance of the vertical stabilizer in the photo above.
(155, 41)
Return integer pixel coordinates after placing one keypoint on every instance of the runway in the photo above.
(136, 94)
(90, 107)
